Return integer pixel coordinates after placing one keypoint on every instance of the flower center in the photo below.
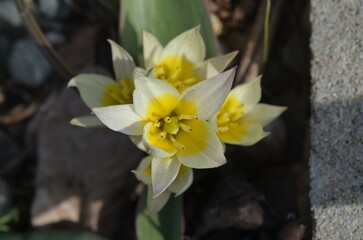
(118, 92)
(170, 126)
(229, 115)
(178, 71)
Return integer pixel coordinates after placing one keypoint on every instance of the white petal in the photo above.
(213, 122)
(156, 204)
(211, 156)
(189, 44)
(138, 141)
(139, 72)
(210, 94)
(91, 88)
(252, 134)
(211, 71)
(163, 173)
(248, 93)
(123, 64)
(182, 181)
(154, 150)
(143, 171)
(152, 49)
(218, 64)
(121, 118)
(147, 90)
(90, 121)
(263, 114)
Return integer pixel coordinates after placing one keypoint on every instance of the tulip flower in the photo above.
(241, 118)
(181, 62)
(99, 91)
(173, 127)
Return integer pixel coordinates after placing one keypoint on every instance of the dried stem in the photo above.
(40, 39)
(251, 64)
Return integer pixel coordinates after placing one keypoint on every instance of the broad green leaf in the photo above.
(165, 225)
(165, 19)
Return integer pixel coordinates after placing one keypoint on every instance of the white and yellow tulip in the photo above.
(172, 126)
(99, 91)
(241, 118)
(182, 62)
(181, 182)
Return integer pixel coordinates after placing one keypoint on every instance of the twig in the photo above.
(251, 64)
(19, 114)
(266, 32)
(39, 38)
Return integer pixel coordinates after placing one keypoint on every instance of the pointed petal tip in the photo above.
(234, 53)
(72, 83)
(73, 121)
(110, 41)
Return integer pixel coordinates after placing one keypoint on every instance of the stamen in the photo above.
(176, 143)
(157, 123)
(115, 96)
(223, 118)
(185, 127)
(167, 119)
(176, 73)
(189, 80)
(223, 129)
(178, 84)
(187, 117)
(162, 134)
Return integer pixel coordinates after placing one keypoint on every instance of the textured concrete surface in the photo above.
(337, 119)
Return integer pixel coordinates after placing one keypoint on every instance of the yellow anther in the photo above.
(167, 119)
(187, 117)
(223, 129)
(189, 80)
(176, 73)
(223, 118)
(178, 84)
(157, 123)
(185, 127)
(162, 134)
(176, 143)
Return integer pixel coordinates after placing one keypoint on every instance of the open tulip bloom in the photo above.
(241, 118)
(99, 91)
(182, 62)
(173, 127)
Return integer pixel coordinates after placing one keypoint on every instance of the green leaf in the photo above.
(165, 19)
(12, 215)
(165, 225)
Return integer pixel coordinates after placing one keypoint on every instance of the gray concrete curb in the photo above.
(336, 158)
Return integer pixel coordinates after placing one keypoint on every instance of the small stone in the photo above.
(9, 15)
(55, 38)
(27, 65)
(293, 230)
(54, 9)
